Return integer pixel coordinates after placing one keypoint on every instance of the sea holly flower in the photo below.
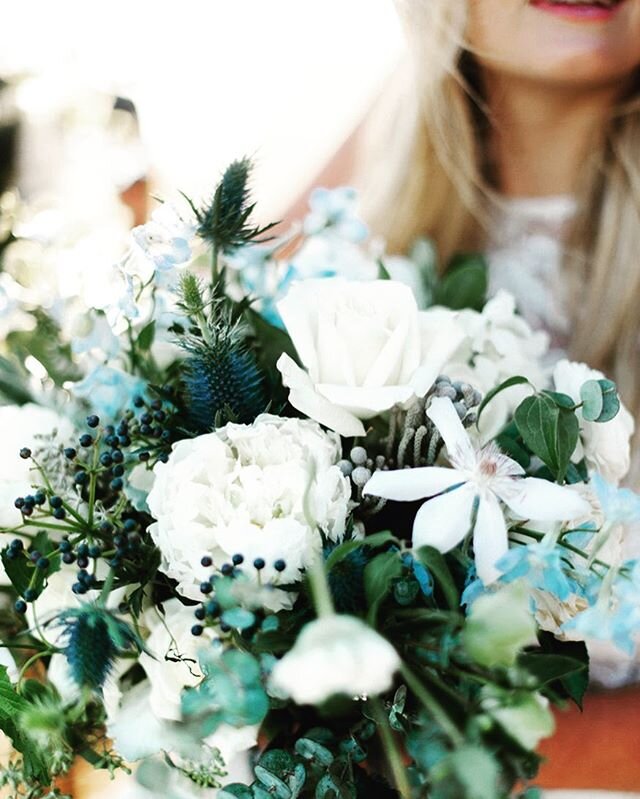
(469, 497)
(365, 346)
(335, 655)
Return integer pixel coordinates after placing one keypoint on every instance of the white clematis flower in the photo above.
(335, 655)
(365, 347)
(471, 494)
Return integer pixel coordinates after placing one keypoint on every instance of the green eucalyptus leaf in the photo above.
(235, 791)
(239, 618)
(312, 750)
(600, 400)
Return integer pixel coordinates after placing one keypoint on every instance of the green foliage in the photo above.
(600, 400)
(13, 382)
(464, 285)
(44, 343)
(23, 572)
(549, 426)
(517, 380)
(437, 566)
(224, 220)
(379, 575)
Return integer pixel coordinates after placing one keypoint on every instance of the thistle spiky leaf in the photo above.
(222, 380)
(93, 638)
(224, 220)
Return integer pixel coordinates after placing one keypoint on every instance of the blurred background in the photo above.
(200, 82)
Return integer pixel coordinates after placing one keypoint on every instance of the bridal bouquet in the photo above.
(286, 517)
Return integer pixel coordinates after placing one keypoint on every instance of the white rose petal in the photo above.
(335, 655)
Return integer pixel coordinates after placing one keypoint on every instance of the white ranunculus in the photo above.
(606, 446)
(262, 490)
(23, 426)
(335, 655)
(365, 347)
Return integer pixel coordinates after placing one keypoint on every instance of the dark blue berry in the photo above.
(59, 513)
(106, 459)
(30, 594)
(111, 440)
(42, 563)
(93, 420)
(83, 561)
(129, 525)
(226, 569)
(117, 456)
(119, 540)
(206, 588)
(156, 405)
(117, 470)
(70, 453)
(114, 562)
(224, 628)
(159, 416)
(109, 430)
(106, 526)
(21, 606)
(116, 484)
(30, 500)
(19, 502)
(83, 550)
(125, 441)
(143, 456)
(237, 559)
(68, 558)
(25, 453)
(79, 588)
(16, 545)
(80, 478)
(206, 561)
(145, 430)
(95, 551)
(40, 497)
(146, 418)
(280, 565)
(34, 556)
(86, 440)
(259, 564)
(27, 510)
(138, 402)
(212, 608)
(65, 546)
(197, 629)
(163, 458)
(55, 502)
(199, 613)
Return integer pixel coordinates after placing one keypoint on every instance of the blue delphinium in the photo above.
(619, 505)
(542, 565)
(335, 209)
(108, 390)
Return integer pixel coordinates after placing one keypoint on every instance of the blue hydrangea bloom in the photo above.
(542, 566)
(335, 209)
(166, 238)
(108, 390)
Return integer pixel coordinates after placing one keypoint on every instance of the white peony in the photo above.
(335, 655)
(23, 426)
(605, 446)
(365, 347)
(263, 490)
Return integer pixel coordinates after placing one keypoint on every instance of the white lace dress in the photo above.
(525, 258)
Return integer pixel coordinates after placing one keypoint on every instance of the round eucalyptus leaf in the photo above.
(312, 750)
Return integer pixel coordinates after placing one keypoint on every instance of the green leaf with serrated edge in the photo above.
(12, 705)
(547, 668)
(518, 380)
(550, 431)
(342, 550)
(21, 571)
(379, 575)
(147, 335)
(437, 565)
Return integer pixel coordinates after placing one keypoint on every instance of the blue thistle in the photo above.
(93, 639)
(224, 220)
(222, 379)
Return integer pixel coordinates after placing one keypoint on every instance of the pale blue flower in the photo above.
(99, 337)
(108, 390)
(166, 238)
(542, 566)
(619, 505)
(335, 209)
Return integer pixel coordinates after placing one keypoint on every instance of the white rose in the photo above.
(335, 655)
(23, 426)
(365, 347)
(605, 446)
(263, 490)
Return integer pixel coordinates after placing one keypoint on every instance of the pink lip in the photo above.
(580, 13)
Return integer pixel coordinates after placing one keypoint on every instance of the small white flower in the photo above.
(365, 347)
(605, 445)
(474, 488)
(263, 490)
(335, 655)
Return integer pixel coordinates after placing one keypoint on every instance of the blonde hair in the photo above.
(428, 176)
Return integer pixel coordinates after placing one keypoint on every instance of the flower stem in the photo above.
(106, 588)
(320, 590)
(432, 706)
(391, 749)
